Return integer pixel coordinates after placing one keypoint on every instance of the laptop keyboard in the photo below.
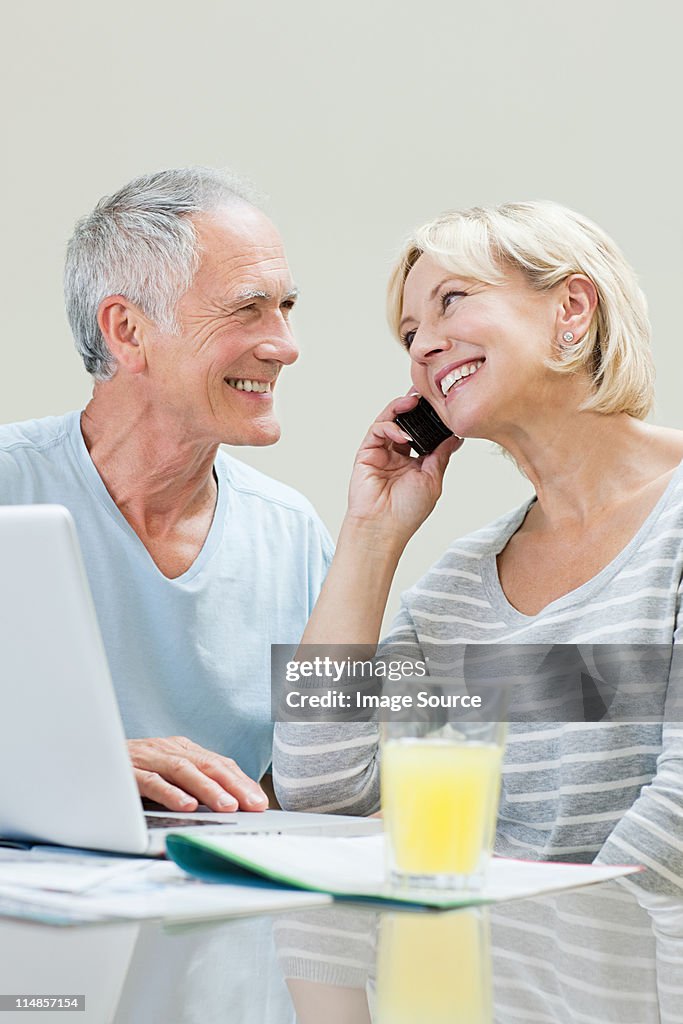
(154, 822)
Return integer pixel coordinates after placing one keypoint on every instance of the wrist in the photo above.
(373, 539)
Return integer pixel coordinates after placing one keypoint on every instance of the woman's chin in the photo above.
(468, 425)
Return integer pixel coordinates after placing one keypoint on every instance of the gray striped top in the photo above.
(605, 791)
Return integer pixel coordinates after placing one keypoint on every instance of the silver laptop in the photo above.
(65, 776)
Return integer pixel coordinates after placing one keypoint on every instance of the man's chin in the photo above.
(253, 436)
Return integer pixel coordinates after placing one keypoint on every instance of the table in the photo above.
(593, 955)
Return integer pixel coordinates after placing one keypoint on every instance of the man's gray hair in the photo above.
(140, 243)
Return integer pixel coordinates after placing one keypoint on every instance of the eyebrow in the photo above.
(433, 294)
(257, 293)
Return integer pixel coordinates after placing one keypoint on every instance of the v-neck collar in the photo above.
(97, 487)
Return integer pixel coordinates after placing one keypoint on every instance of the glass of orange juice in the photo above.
(440, 782)
(434, 968)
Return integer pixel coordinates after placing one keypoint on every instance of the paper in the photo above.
(355, 867)
(70, 888)
(61, 872)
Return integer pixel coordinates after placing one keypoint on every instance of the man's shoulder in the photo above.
(32, 459)
(252, 483)
(29, 436)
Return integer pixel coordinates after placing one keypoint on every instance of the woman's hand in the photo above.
(390, 495)
(390, 489)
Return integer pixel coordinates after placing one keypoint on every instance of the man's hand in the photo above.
(180, 775)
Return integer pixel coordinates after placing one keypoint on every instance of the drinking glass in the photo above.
(440, 782)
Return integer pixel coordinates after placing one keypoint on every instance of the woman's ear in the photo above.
(578, 302)
(123, 328)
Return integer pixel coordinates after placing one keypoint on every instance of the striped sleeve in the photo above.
(326, 767)
(334, 768)
(651, 831)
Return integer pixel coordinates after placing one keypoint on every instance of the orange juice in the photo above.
(434, 968)
(439, 798)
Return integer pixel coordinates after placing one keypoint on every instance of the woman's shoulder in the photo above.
(464, 557)
(665, 458)
(663, 447)
(668, 439)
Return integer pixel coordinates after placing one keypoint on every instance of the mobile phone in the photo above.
(425, 427)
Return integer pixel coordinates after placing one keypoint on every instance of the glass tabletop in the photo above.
(598, 954)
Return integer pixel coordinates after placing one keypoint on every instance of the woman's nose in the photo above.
(426, 343)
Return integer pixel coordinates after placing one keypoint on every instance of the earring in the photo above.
(568, 337)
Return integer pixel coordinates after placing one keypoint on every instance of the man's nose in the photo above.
(280, 344)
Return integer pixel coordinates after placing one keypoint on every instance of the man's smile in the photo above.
(261, 387)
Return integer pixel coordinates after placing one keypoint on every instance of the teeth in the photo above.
(250, 385)
(466, 370)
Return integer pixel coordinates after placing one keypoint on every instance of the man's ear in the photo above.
(124, 328)
(579, 299)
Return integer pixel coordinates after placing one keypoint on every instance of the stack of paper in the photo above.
(69, 888)
(349, 868)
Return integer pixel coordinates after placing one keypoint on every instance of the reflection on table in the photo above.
(435, 967)
(595, 955)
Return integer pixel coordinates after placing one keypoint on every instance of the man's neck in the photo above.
(156, 476)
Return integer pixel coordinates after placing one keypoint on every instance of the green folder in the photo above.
(354, 868)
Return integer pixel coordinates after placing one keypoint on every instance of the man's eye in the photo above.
(288, 305)
(408, 339)
(447, 296)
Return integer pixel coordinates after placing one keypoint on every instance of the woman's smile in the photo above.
(448, 381)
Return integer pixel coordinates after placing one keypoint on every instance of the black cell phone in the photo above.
(425, 427)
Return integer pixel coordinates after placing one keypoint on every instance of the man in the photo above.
(179, 296)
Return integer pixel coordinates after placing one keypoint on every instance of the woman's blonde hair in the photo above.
(548, 243)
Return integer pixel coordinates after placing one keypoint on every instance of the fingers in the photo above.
(228, 777)
(398, 405)
(152, 786)
(439, 458)
(191, 779)
(179, 774)
(387, 430)
(384, 429)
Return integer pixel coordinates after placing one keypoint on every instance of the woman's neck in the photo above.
(586, 462)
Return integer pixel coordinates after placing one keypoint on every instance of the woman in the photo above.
(524, 325)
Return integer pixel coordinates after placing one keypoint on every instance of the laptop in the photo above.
(66, 776)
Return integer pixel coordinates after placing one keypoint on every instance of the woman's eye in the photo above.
(408, 339)
(448, 296)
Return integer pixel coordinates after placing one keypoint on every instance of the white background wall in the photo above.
(358, 122)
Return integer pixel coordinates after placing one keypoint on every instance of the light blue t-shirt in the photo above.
(188, 656)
